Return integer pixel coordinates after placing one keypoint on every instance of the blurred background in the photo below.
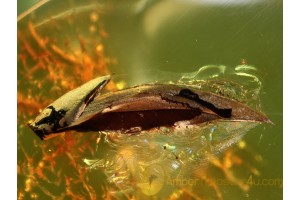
(62, 44)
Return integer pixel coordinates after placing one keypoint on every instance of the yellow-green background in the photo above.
(182, 36)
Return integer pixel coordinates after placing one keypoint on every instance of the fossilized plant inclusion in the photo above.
(137, 109)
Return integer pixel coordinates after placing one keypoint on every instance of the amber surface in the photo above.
(62, 47)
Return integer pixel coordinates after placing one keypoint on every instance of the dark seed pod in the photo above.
(137, 109)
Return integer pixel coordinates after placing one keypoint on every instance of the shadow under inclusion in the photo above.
(177, 152)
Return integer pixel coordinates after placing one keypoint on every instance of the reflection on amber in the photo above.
(47, 69)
